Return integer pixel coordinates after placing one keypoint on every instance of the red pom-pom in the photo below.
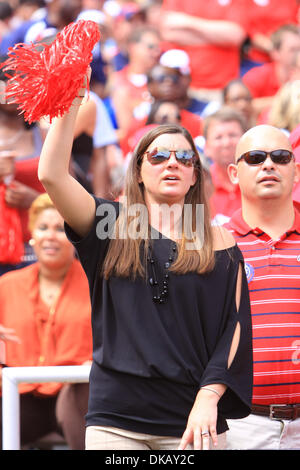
(45, 82)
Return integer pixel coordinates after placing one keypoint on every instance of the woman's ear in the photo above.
(233, 173)
(139, 176)
(194, 179)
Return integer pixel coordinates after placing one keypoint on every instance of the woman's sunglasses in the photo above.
(256, 157)
(157, 156)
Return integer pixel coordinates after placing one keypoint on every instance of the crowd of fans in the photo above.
(216, 67)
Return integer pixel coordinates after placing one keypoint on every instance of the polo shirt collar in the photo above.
(238, 224)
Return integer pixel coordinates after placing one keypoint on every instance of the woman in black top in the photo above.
(170, 308)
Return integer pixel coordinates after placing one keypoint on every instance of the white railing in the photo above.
(12, 376)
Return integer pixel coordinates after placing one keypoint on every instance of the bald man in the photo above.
(267, 230)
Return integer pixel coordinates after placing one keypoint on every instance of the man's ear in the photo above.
(297, 173)
(233, 173)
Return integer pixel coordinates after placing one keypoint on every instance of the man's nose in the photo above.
(226, 141)
(268, 163)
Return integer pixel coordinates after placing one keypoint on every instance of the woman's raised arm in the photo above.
(74, 203)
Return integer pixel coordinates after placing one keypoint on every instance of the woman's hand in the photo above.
(81, 92)
(202, 421)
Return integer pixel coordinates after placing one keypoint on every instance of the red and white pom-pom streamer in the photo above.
(45, 82)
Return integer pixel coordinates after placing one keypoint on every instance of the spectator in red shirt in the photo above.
(267, 230)
(211, 32)
(222, 131)
(265, 17)
(265, 80)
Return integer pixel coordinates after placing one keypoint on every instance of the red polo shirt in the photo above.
(273, 272)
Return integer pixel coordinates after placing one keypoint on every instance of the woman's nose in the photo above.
(172, 160)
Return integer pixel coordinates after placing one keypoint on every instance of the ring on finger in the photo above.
(205, 433)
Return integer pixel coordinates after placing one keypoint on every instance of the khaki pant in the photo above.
(262, 433)
(110, 438)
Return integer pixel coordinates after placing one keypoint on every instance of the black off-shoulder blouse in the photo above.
(150, 359)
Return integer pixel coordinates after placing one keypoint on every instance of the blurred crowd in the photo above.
(216, 67)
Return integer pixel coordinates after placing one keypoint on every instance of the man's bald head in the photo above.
(267, 180)
(263, 137)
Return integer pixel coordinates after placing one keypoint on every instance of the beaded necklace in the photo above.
(160, 293)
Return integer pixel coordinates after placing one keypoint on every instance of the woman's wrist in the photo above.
(215, 391)
(212, 390)
(77, 100)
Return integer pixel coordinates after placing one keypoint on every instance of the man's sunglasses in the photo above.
(256, 157)
(157, 156)
(161, 78)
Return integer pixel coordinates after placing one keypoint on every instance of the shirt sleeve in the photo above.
(91, 249)
(238, 376)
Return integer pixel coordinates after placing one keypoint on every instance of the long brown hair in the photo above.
(124, 254)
